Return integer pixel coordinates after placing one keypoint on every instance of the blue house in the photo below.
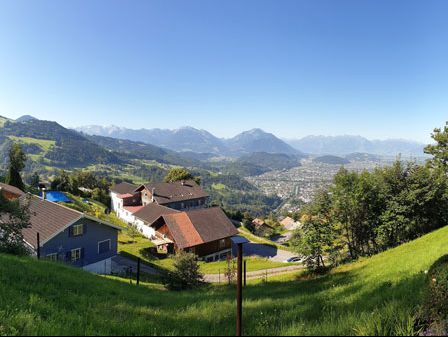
(69, 236)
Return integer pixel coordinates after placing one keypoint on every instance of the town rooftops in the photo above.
(11, 189)
(123, 188)
(152, 212)
(198, 226)
(165, 193)
(49, 219)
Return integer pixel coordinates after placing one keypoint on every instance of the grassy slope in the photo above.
(372, 296)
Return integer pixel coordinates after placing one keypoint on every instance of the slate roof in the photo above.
(199, 226)
(165, 193)
(152, 212)
(123, 188)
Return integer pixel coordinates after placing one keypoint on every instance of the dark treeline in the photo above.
(365, 213)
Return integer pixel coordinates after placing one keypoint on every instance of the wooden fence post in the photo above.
(38, 246)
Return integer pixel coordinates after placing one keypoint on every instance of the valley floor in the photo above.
(374, 296)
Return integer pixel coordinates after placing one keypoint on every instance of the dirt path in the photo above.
(215, 278)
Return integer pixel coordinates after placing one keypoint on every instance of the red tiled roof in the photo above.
(133, 209)
(124, 196)
(199, 226)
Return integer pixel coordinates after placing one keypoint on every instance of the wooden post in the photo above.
(239, 291)
(138, 271)
(245, 271)
(38, 246)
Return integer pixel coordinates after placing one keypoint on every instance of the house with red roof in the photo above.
(175, 216)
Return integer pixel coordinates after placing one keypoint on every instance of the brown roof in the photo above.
(11, 189)
(152, 212)
(123, 188)
(49, 219)
(199, 226)
(165, 193)
(289, 223)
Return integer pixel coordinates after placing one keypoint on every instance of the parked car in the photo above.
(295, 259)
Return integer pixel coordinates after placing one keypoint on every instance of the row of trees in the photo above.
(365, 213)
(91, 185)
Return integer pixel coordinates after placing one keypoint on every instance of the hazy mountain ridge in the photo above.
(345, 145)
(189, 139)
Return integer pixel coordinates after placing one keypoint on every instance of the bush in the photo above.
(434, 312)
(186, 274)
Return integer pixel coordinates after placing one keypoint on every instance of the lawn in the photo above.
(374, 296)
(141, 247)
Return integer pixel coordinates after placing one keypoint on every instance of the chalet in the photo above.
(205, 232)
(69, 236)
(10, 192)
(260, 224)
(174, 216)
(128, 199)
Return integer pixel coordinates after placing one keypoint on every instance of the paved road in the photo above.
(283, 238)
(261, 250)
(120, 264)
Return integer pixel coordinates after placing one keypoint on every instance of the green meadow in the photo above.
(373, 296)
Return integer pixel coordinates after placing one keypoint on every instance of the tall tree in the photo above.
(439, 150)
(14, 218)
(180, 173)
(17, 159)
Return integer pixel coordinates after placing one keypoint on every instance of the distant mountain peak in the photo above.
(26, 118)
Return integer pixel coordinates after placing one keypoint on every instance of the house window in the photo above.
(222, 243)
(76, 254)
(104, 246)
(52, 257)
(78, 230)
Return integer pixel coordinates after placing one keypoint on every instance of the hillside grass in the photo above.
(374, 296)
(45, 145)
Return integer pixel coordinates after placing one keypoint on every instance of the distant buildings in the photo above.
(175, 217)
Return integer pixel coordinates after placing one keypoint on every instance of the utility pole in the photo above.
(138, 271)
(239, 291)
(38, 246)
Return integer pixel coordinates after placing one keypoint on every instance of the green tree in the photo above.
(186, 274)
(17, 160)
(14, 218)
(180, 173)
(439, 150)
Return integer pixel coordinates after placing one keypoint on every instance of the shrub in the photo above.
(186, 274)
(434, 312)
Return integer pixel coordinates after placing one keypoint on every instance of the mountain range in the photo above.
(191, 140)
(188, 139)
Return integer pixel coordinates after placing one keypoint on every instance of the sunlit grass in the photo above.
(377, 295)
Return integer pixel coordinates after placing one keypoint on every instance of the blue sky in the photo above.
(374, 68)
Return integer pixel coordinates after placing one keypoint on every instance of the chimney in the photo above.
(153, 191)
(44, 193)
(183, 182)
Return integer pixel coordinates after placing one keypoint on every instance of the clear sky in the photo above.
(376, 68)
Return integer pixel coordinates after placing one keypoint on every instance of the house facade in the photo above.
(70, 237)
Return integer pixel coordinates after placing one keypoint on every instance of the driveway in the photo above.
(265, 251)
(121, 265)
